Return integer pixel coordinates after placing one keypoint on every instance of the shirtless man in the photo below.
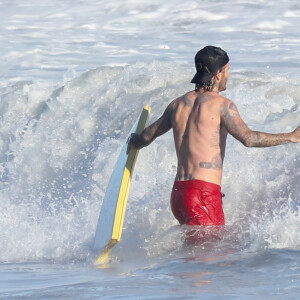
(201, 120)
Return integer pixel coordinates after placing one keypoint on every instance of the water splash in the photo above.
(59, 144)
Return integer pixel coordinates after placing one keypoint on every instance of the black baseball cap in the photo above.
(208, 62)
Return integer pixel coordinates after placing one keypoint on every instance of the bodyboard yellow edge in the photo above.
(123, 193)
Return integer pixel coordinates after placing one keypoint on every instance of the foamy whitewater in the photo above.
(75, 76)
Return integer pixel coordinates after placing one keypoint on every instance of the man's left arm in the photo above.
(149, 134)
(239, 130)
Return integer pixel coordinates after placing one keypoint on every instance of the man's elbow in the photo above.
(252, 139)
(247, 143)
(247, 140)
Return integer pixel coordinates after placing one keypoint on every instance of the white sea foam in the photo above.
(58, 154)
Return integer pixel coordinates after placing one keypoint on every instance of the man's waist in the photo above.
(199, 184)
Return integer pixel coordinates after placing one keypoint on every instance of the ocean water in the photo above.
(74, 78)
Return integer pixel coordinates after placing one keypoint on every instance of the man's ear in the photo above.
(218, 75)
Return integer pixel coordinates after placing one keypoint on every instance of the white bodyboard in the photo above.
(111, 218)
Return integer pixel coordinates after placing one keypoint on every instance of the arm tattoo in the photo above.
(239, 130)
(232, 106)
(229, 116)
(261, 139)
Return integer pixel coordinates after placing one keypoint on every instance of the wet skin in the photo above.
(201, 122)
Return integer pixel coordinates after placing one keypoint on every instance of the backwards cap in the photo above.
(208, 62)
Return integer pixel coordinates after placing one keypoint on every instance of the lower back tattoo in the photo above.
(216, 163)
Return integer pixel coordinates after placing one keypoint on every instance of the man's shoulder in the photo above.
(223, 101)
(221, 104)
(228, 103)
(182, 99)
(216, 99)
(220, 97)
(190, 97)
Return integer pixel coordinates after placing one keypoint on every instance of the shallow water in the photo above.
(74, 77)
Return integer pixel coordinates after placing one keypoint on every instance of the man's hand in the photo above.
(149, 134)
(133, 142)
(295, 135)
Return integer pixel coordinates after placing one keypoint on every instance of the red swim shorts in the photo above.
(197, 202)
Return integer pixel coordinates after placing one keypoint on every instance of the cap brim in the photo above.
(201, 77)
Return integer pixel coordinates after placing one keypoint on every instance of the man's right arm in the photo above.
(234, 124)
(149, 134)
